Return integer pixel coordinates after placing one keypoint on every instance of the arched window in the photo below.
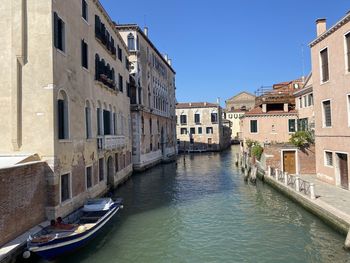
(88, 120)
(62, 116)
(131, 42)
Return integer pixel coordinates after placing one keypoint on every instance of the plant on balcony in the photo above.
(302, 139)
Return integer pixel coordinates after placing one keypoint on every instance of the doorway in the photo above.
(289, 162)
(343, 170)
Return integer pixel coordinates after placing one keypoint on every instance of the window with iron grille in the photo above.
(324, 65)
(327, 113)
(328, 158)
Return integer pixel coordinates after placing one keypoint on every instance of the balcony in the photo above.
(111, 142)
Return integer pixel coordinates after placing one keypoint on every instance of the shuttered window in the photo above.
(59, 33)
(199, 130)
(324, 65)
(253, 126)
(120, 54)
(107, 122)
(84, 54)
(347, 40)
(327, 113)
(121, 83)
(291, 125)
(193, 130)
(99, 126)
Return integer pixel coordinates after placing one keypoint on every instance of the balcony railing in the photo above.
(111, 142)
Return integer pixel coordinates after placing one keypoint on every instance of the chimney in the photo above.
(145, 31)
(169, 62)
(165, 56)
(321, 26)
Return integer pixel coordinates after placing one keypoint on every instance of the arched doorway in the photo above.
(110, 172)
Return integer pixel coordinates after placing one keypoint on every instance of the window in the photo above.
(291, 126)
(348, 101)
(107, 122)
(120, 54)
(120, 83)
(303, 124)
(253, 126)
(300, 102)
(183, 119)
(62, 112)
(199, 130)
(328, 158)
(347, 43)
(150, 126)
(65, 187)
(84, 10)
(84, 54)
(306, 101)
(59, 33)
(311, 99)
(183, 131)
(101, 169)
(192, 130)
(88, 177)
(324, 65)
(197, 118)
(327, 114)
(209, 130)
(131, 42)
(214, 117)
(88, 120)
(116, 162)
(142, 125)
(99, 121)
(209, 142)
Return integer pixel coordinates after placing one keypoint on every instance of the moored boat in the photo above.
(79, 228)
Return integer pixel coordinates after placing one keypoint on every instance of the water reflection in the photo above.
(201, 210)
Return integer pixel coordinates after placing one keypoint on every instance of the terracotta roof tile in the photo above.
(195, 105)
(258, 111)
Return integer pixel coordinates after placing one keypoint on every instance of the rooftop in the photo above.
(188, 105)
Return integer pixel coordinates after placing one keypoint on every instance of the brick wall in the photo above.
(306, 158)
(23, 199)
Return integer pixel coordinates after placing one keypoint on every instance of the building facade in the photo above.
(200, 127)
(152, 93)
(330, 57)
(235, 109)
(274, 117)
(65, 97)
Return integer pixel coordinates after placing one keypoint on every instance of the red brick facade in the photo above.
(23, 199)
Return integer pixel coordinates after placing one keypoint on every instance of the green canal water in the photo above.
(201, 210)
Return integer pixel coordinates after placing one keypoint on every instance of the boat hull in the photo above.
(56, 248)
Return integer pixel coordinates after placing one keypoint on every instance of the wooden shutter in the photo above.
(324, 61)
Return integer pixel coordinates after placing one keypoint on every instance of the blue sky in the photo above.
(220, 48)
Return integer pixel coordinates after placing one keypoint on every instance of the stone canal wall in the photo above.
(22, 199)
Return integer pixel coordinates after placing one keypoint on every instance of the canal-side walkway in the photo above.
(330, 194)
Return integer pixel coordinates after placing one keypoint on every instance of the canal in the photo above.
(201, 210)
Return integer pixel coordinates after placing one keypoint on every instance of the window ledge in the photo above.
(86, 69)
(324, 83)
(87, 22)
(65, 140)
(63, 53)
